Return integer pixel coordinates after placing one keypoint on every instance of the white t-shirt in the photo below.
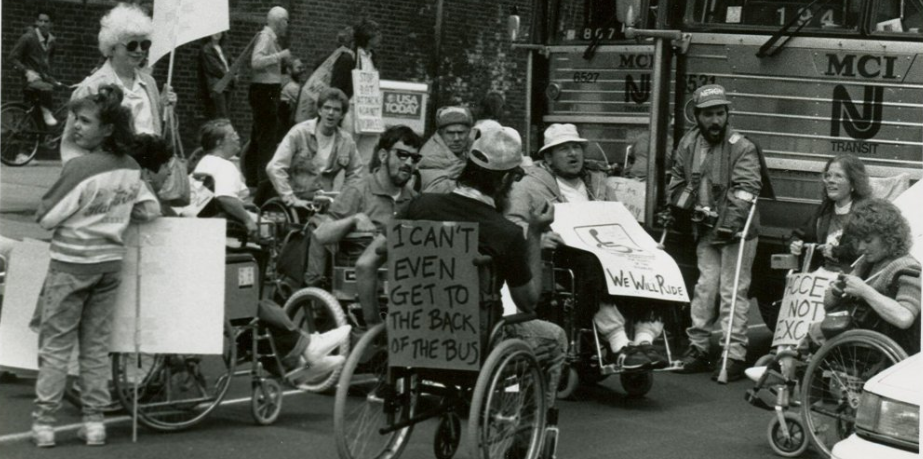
(573, 193)
(228, 179)
(324, 149)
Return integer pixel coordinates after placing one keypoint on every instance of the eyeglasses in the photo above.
(133, 45)
(404, 154)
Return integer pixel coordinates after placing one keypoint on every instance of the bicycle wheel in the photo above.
(508, 405)
(20, 135)
(316, 311)
(181, 389)
(834, 379)
(368, 399)
(53, 134)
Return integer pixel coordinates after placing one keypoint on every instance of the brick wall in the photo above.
(475, 55)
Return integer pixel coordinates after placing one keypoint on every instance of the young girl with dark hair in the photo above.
(88, 210)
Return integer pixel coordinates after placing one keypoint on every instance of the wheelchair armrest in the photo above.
(518, 318)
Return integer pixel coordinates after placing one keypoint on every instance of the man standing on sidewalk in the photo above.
(265, 90)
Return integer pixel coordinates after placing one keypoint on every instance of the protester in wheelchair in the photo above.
(882, 292)
(562, 177)
(313, 153)
(481, 195)
(369, 204)
(220, 142)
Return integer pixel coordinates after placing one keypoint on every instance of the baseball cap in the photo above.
(497, 149)
(453, 115)
(709, 96)
(556, 134)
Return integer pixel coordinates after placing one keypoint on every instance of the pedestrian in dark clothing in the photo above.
(213, 66)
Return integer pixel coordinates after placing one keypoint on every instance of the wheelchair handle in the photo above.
(518, 318)
(482, 260)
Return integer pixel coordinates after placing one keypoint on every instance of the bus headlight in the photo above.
(888, 421)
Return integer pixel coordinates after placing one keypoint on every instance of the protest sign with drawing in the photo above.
(802, 305)
(632, 263)
(433, 299)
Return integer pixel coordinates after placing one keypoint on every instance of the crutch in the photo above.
(723, 375)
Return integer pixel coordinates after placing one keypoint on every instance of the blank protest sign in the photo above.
(433, 296)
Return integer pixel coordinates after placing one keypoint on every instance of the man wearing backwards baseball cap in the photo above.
(490, 170)
(444, 154)
(717, 168)
(562, 177)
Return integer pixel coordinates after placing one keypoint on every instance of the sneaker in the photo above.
(735, 370)
(755, 373)
(94, 433)
(693, 361)
(657, 359)
(323, 344)
(319, 369)
(43, 435)
(629, 358)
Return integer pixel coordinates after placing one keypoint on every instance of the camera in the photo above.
(705, 216)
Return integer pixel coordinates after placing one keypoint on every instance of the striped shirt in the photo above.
(90, 206)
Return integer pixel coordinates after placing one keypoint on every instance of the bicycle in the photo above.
(23, 130)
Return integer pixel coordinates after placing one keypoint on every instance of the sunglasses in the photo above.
(404, 154)
(133, 45)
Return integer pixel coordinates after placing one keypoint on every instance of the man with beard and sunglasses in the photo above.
(561, 176)
(492, 166)
(369, 204)
(717, 175)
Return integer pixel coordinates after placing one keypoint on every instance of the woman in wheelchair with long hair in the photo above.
(886, 278)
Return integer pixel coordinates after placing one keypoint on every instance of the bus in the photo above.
(807, 79)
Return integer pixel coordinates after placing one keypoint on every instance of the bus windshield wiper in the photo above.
(767, 48)
(590, 50)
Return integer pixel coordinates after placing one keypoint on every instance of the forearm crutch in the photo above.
(723, 375)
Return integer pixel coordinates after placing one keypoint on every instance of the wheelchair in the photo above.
(814, 393)
(584, 365)
(174, 392)
(376, 406)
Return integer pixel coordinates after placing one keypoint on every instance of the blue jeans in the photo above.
(717, 264)
(74, 308)
(539, 333)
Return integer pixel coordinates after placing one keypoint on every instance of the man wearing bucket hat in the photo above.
(716, 179)
(445, 153)
(561, 177)
(483, 185)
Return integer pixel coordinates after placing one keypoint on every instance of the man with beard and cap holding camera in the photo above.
(562, 176)
(717, 177)
(369, 204)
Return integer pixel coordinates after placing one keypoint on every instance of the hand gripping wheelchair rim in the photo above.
(397, 392)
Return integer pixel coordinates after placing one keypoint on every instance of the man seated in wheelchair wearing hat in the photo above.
(562, 176)
(482, 192)
(368, 205)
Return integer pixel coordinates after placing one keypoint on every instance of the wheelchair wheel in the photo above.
(266, 402)
(180, 390)
(508, 405)
(797, 441)
(316, 311)
(21, 135)
(834, 379)
(637, 384)
(448, 436)
(570, 379)
(275, 210)
(369, 398)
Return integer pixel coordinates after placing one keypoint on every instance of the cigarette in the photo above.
(853, 265)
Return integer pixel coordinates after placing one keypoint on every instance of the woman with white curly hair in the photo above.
(124, 39)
